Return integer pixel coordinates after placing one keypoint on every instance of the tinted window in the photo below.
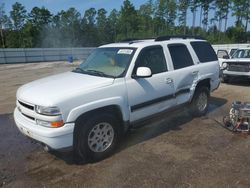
(153, 58)
(204, 51)
(180, 56)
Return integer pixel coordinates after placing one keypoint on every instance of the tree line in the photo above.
(70, 28)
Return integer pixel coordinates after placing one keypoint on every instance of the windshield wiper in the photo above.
(92, 72)
(99, 73)
(78, 69)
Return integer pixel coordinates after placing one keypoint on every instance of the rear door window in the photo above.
(204, 51)
(180, 55)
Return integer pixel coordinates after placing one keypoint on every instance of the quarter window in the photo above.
(180, 56)
(204, 51)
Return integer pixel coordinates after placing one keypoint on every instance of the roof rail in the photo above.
(168, 37)
(129, 39)
(134, 40)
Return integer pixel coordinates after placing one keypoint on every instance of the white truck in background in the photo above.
(235, 65)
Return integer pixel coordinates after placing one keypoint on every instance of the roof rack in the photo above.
(129, 39)
(134, 40)
(168, 37)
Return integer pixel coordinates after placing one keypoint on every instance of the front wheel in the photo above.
(199, 104)
(97, 137)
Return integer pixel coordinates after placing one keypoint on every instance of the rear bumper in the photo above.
(55, 138)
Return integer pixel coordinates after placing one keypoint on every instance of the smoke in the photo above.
(55, 37)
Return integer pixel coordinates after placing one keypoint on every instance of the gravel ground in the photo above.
(174, 150)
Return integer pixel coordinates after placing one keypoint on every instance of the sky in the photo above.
(55, 6)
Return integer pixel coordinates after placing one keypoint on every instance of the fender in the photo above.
(199, 80)
(118, 101)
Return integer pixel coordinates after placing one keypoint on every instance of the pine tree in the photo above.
(182, 16)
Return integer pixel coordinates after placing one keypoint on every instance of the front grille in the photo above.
(28, 117)
(239, 68)
(26, 105)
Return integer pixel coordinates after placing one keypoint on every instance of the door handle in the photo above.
(195, 72)
(169, 80)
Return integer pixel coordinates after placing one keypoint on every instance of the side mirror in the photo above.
(225, 56)
(143, 72)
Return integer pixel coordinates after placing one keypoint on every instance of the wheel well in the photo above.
(202, 83)
(112, 109)
(205, 82)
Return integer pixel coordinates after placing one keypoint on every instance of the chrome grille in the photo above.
(26, 105)
(28, 116)
(238, 68)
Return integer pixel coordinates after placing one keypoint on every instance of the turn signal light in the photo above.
(57, 123)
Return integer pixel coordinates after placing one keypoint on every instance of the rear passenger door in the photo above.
(185, 72)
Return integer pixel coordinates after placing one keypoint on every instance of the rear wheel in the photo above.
(199, 104)
(97, 137)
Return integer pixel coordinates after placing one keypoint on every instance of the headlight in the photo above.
(50, 111)
(224, 65)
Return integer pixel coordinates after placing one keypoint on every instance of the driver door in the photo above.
(148, 96)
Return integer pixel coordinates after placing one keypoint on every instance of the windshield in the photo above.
(241, 53)
(107, 62)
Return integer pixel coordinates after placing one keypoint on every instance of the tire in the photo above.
(199, 104)
(96, 137)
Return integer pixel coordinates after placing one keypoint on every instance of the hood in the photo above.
(234, 61)
(49, 90)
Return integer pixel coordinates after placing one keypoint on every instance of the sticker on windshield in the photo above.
(125, 51)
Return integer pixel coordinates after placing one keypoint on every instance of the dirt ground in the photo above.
(174, 150)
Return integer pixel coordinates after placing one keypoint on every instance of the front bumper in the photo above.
(236, 74)
(55, 138)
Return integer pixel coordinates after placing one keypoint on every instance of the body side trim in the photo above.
(157, 100)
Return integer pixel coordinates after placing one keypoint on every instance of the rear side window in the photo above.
(180, 56)
(204, 51)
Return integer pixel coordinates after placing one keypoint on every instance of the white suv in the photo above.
(118, 86)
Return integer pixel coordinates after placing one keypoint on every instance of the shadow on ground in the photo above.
(17, 152)
(171, 121)
(239, 81)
